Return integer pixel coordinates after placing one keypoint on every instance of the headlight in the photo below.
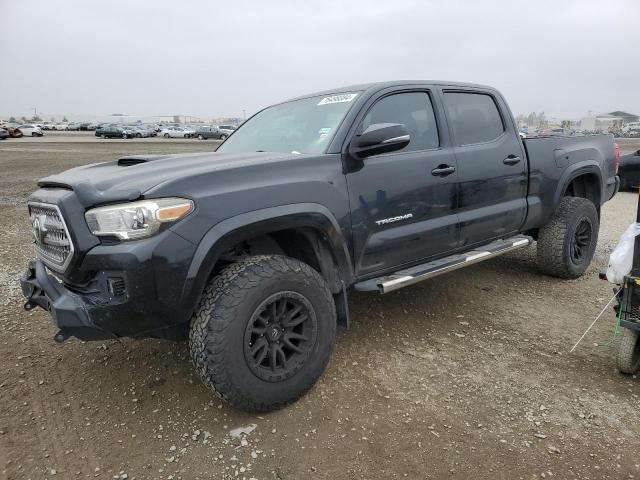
(130, 221)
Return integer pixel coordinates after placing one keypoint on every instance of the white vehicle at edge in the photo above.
(177, 132)
(30, 129)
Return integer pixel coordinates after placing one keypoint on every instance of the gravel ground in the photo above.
(466, 376)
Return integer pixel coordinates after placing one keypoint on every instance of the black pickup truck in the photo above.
(249, 252)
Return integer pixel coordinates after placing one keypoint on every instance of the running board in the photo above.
(409, 276)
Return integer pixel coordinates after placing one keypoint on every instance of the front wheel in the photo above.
(263, 332)
(223, 137)
(200, 137)
(567, 243)
(166, 135)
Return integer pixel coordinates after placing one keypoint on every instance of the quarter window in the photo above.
(414, 111)
(474, 117)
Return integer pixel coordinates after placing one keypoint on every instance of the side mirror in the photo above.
(380, 138)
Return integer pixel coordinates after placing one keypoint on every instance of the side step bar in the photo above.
(409, 276)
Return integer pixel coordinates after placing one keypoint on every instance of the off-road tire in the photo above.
(628, 356)
(554, 239)
(216, 337)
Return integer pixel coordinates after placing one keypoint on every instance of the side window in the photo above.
(414, 110)
(474, 117)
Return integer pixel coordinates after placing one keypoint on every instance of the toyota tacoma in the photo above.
(249, 252)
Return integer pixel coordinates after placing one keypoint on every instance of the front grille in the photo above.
(50, 235)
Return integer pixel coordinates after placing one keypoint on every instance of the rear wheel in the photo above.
(166, 135)
(628, 357)
(223, 137)
(200, 137)
(263, 332)
(567, 243)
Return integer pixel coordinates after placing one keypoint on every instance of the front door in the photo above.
(491, 166)
(403, 203)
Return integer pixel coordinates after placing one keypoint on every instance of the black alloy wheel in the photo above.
(280, 336)
(581, 241)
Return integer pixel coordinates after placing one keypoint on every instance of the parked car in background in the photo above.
(229, 129)
(629, 171)
(138, 132)
(14, 132)
(61, 127)
(111, 131)
(177, 132)
(47, 126)
(204, 133)
(3, 133)
(73, 126)
(31, 129)
(142, 131)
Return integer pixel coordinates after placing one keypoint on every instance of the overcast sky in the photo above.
(218, 58)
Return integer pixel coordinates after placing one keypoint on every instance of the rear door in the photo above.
(491, 165)
(403, 210)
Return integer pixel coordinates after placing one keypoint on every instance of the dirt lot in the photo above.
(467, 376)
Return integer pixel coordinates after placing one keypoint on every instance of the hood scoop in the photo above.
(137, 159)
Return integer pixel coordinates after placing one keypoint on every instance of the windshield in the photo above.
(299, 126)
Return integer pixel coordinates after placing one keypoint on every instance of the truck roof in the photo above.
(389, 83)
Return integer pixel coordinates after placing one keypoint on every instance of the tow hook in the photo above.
(61, 336)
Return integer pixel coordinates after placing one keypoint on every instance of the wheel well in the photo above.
(306, 244)
(585, 186)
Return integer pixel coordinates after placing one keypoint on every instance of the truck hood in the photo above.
(128, 178)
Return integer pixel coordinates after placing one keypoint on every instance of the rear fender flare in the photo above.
(574, 171)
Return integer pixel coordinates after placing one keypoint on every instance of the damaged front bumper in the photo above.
(68, 310)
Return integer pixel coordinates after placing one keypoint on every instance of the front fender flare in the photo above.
(224, 235)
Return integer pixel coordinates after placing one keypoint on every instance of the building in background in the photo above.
(607, 121)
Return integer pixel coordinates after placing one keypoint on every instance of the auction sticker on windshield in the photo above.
(340, 98)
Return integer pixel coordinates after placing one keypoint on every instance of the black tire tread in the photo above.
(216, 311)
(626, 350)
(551, 238)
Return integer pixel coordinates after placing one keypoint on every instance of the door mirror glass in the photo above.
(380, 138)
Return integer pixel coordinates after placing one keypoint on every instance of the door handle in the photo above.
(511, 160)
(443, 170)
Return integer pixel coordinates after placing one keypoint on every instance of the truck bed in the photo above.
(555, 159)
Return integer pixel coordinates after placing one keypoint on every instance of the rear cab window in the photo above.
(473, 117)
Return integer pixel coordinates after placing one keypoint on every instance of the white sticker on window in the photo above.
(340, 98)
